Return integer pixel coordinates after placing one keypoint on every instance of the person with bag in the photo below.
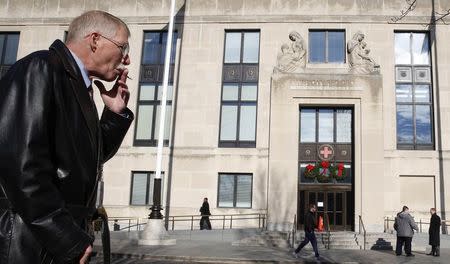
(310, 236)
(405, 226)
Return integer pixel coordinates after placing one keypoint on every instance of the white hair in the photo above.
(94, 21)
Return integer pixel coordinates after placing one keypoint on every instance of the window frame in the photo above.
(326, 31)
(413, 83)
(5, 67)
(155, 79)
(235, 180)
(237, 143)
(148, 199)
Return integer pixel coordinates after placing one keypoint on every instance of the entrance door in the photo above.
(332, 206)
(326, 165)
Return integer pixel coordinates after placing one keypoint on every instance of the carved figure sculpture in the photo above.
(358, 58)
(292, 57)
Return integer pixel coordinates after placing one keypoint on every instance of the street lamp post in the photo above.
(155, 232)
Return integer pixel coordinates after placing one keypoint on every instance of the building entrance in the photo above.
(326, 166)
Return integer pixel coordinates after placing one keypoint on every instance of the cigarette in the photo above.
(128, 77)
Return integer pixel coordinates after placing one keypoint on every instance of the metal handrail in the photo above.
(444, 224)
(327, 228)
(361, 223)
(135, 221)
(294, 231)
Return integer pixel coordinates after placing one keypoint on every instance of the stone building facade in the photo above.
(273, 105)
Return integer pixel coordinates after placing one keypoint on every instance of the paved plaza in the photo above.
(212, 247)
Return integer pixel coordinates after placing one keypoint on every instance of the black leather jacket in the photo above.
(51, 146)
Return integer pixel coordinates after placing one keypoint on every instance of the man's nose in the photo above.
(126, 60)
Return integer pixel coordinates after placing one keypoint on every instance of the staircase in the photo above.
(352, 240)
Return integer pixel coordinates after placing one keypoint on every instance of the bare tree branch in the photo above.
(411, 7)
(441, 16)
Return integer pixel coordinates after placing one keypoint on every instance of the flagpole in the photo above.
(156, 207)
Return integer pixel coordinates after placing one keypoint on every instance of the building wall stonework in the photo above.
(385, 178)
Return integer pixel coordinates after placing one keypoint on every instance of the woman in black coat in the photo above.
(433, 231)
(204, 210)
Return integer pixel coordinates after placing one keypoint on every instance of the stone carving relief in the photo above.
(358, 56)
(292, 57)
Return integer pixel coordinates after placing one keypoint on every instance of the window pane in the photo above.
(326, 125)
(247, 125)
(344, 126)
(2, 42)
(402, 48)
(336, 47)
(248, 92)
(226, 190)
(403, 93)
(12, 45)
(233, 48)
(423, 124)
(169, 92)
(144, 122)
(151, 48)
(147, 92)
(244, 191)
(308, 125)
(316, 46)
(420, 48)
(251, 47)
(166, 123)
(230, 92)
(229, 122)
(139, 191)
(405, 124)
(164, 45)
(422, 93)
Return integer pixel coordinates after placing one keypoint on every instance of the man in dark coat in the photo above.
(405, 226)
(52, 143)
(204, 210)
(433, 232)
(310, 236)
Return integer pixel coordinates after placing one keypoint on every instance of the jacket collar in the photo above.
(79, 88)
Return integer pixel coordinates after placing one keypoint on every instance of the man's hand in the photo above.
(86, 255)
(115, 99)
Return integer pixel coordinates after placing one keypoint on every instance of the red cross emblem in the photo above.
(326, 152)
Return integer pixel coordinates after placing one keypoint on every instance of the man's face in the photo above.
(109, 61)
(313, 209)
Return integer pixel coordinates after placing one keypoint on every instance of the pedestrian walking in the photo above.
(52, 143)
(204, 210)
(405, 226)
(310, 236)
(433, 233)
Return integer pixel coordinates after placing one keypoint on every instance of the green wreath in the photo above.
(324, 171)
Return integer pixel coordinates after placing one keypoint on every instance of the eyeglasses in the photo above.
(124, 49)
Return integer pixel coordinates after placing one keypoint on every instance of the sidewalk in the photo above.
(208, 247)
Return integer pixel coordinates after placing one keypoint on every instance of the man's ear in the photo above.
(93, 41)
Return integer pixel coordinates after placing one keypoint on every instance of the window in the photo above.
(239, 89)
(150, 90)
(326, 46)
(326, 134)
(142, 187)
(235, 190)
(9, 43)
(413, 91)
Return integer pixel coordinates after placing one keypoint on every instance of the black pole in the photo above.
(156, 207)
